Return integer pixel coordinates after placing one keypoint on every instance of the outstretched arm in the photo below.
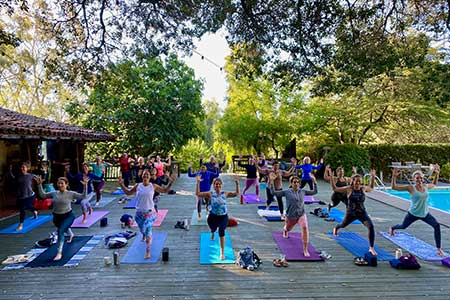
(372, 181)
(334, 187)
(436, 170)
(396, 187)
(125, 189)
(197, 189)
(160, 189)
(236, 192)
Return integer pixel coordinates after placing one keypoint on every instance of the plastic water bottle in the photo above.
(398, 253)
(116, 258)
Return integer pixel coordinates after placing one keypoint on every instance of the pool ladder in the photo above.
(378, 182)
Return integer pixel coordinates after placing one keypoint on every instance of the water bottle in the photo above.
(116, 258)
(398, 253)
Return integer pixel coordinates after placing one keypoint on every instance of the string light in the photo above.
(208, 60)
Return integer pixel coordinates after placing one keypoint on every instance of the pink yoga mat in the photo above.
(161, 215)
(252, 199)
(91, 219)
(292, 247)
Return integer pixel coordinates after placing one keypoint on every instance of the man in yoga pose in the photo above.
(218, 216)
(205, 185)
(341, 181)
(419, 204)
(63, 216)
(145, 208)
(24, 192)
(355, 207)
(295, 212)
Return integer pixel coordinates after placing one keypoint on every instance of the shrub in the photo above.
(347, 156)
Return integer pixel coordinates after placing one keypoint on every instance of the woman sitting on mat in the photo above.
(355, 207)
(145, 208)
(295, 212)
(63, 216)
(218, 217)
(341, 181)
(419, 204)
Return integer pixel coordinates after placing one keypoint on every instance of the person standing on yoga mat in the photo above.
(205, 185)
(99, 169)
(88, 176)
(63, 216)
(251, 179)
(419, 204)
(276, 181)
(145, 208)
(355, 207)
(125, 162)
(161, 180)
(24, 192)
(295, 212)
(159, 165)
(341, 181)
(218, 215)
(307, 168)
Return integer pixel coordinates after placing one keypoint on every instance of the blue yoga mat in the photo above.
(136, 252)
(131, 205)
(210, 250)
(45, 259)
(413, 245)
(271, 218)
(272, 207)
(119, 191)
(338, 215)
(29, 224)
(359, 246)
(104, 201)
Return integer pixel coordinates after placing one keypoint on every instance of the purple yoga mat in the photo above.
(252, 199)
(91, 219)
(292, 247)
(310, 199)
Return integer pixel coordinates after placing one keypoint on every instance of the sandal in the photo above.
(360, 261)
(284, 262)
(277, 262)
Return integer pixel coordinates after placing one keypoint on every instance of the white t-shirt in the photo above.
(144, 197)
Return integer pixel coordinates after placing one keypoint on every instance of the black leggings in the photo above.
(216, 221)
(363, 218)
(270, 199)
(303, 182)
(337, 198)
(429, 219)
(23, 205)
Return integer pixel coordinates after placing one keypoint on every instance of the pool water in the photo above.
(439, 199)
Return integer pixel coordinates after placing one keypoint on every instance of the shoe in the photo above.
(277, 262)
(179, 225)
(360, 261)
(284, 262)
(97, 203)
(186, 224)
(325, 255)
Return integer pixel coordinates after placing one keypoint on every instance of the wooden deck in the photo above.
(184, 278)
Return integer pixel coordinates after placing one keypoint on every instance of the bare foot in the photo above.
(20, 227)
(372, 250)
(283, 217)
(329, 207)
(91, 210)
(440, 252)
(267, 207)
(35, 214)
(391, 231)
(306, 253)
(335, 233)
(222, 256)
(147, 254)
(199, 217)
(84, 221)
(69, 240)
(212, 236)
(97, 203)
(285, 234)
(143, 238)
(58, 256)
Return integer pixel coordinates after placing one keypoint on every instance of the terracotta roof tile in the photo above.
(14, 125)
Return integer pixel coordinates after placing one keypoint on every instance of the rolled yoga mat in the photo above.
(292, 247)
(28, 224)
(359, 246)
(91, 219)
(136, 252)
(210, 250)
(45, 259)
(413, 245)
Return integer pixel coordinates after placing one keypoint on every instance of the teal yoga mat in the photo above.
(136, 252)
(210, 250)
(195, 221)
(358, 246)
(338, 215)
(413, 245)
(29, 224)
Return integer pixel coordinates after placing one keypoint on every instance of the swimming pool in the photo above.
(439, 198)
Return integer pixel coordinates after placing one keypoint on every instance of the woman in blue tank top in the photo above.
(419, 204)
(218, 216)
(355, 205)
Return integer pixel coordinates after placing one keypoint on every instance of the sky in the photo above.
(214, 48)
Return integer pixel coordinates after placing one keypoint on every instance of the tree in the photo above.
(151, 105)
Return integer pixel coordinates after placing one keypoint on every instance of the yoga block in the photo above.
(165, 254)
(103, 222)
(446, 262)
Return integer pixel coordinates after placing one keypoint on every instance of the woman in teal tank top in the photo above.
(419, 204)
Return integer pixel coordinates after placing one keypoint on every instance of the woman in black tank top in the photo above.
(341, 181)
(355, 207)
